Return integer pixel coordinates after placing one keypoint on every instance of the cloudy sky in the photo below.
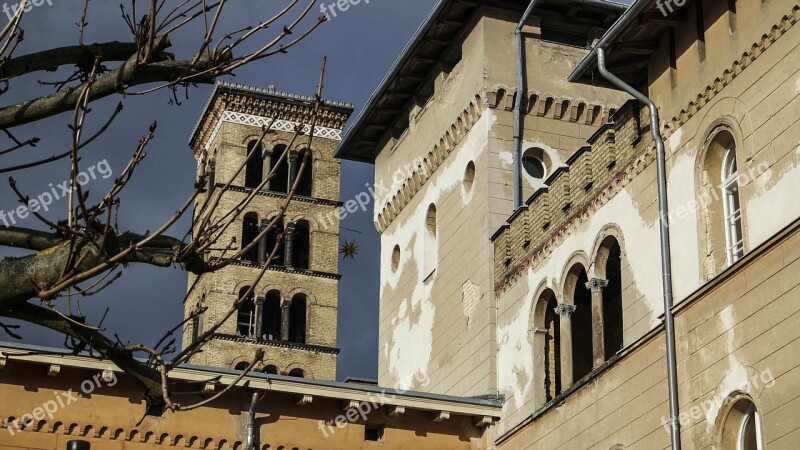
(361, 44)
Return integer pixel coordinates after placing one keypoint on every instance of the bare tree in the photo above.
(85, 251)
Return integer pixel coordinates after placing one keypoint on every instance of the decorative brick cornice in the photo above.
(551, 106)
(736, 68)
(435, 157)
(288, 126)
(552, 240)
(281, 344)
(247, 105)
(295, 197)
(295, 271)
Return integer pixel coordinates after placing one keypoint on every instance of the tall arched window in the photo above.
(250, 231)
(582, 352)
(271, 317)
(301, 245)
(279, 169)
(304, 185)
(741, 429)
(271, 242)
(297, 319)
(609, 267)
(721, 230)
(254, 170)
(246, 317)
(732, 208)
(430, 242)
(550, 326)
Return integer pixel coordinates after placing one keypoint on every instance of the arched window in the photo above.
(197, 322)
(279, 168)
(270, 369)
(582, 352)
(721, 230)
(550, 325)
(731, 206)
(304, 185)
(298, 373)
(246, 317)
(301, 245)
(297, 319)
(254, 170)
(609, 267)
(241, 366)
(430, 243)
(741, 429)
(271, 317)
(271, 241)
(212, 176)
(249, 232)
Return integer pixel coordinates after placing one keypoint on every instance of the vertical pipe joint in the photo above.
(251, 422)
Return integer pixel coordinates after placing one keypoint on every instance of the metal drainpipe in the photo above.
(251, 422)
(521, 89)
(666, 259)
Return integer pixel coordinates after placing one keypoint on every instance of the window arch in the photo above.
(741, 426)
(271, 240)
(608, 266)
(254, 169)
(271, 317)
(270, 369)
(430, 241)
(299, 373)
(246, 315)
(548, 326)
(279, 168)
(721, 230)
(306, 178)
(250, 232)
(301, 245)
(731, 206)
(297, 319)
(581, 321)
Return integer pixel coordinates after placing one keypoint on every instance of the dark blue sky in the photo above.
(361, 44)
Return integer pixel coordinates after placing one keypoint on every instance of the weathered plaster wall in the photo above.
(436, 325)
(724, 332)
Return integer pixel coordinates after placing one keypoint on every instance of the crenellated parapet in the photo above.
(616, 153)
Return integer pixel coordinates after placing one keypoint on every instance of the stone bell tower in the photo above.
(292, 312)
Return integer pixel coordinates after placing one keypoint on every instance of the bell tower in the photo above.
(291, 314)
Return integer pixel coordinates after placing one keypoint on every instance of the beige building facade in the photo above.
(537, 327)
(443, 149)
(569, 328)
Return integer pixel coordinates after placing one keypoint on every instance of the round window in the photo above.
(536, 163)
